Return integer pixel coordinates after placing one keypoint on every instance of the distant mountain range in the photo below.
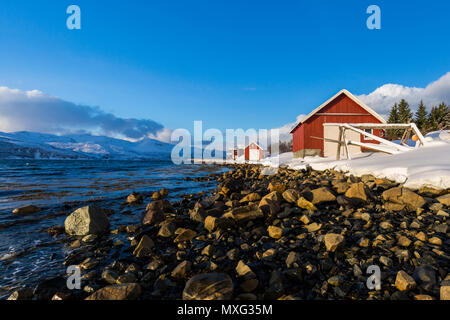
(33, 145)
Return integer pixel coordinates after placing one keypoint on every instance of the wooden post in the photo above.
(338, 155)
(346, 147)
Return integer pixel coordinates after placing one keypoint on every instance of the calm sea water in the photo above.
(27, 253)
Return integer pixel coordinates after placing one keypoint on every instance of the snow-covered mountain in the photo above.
(33, 145)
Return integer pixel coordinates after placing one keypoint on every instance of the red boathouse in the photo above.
(343, 107)
(253, 152)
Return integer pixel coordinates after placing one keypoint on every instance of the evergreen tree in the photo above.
(438, 117)
(421, 117)
(393, 118)
(404, 112)
(393, 115)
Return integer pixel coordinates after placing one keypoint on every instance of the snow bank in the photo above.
(424, 166)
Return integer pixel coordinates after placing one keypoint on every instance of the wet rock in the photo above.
(184, 235)
(423, 297)
(322, 195)
(292, 259)
(61, 296)
(313, 227)
(209, 286)
(127, 277)
(181, 270)
(212, 223)
(333, 241)
(278, 187)
(275, 232)
(109, 276)
(421, 236)
(134, 198)
(249, 285)
(245, 213)
(144, 248)
(445, 199)
(305, 204)
(244, 271)
(167, 229)
(435, 240)
(386, 225)
(291, 195)
(404, 281)
(403, 198)
(425, 276)
(21, 294)
(55, 231)
(129, 291)
(386, 261)
(270, 204)
(357, 192)
(87, 220)
(445, 290)
(26, 210)
(251, 197)
(404, 241)
(198, 213)
(153, 216)
(47, 288)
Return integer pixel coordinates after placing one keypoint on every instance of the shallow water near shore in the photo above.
(27, 253)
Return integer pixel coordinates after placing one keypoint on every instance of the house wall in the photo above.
(304, 145)
(252, 146)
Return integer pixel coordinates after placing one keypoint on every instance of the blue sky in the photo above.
(232, 64)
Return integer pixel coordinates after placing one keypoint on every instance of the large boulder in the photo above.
(291, 195)
(404, 281)
(357, 192)
(402, 198)
(87, 220)
(127, 291)
(144, 247)
(245, 213)
(322, 195)
(209, 286)
(445, 199)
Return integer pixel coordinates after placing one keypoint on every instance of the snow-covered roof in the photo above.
(348, 94)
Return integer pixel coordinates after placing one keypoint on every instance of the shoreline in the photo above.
(298, 234)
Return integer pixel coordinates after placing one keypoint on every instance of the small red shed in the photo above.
(343, 107)
(253, 152)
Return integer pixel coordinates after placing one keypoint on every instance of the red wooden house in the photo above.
(343, 107)
(253, 152)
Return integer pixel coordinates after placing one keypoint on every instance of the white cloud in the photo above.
(285, 131)
(36, 111)
(384, 97)
(163, 135)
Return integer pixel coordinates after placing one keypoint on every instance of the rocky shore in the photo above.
(291, 235)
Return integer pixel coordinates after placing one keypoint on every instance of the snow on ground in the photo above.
(423, 166)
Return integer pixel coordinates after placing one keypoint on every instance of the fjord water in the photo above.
(27, 253)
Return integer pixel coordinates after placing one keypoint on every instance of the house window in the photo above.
(369, 131)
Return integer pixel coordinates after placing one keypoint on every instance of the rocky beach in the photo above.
(304, 234)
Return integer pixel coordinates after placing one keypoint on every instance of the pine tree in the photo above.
(393, 115)
(393, 118)
(404, 112)
(438, 117)
(421, 117)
